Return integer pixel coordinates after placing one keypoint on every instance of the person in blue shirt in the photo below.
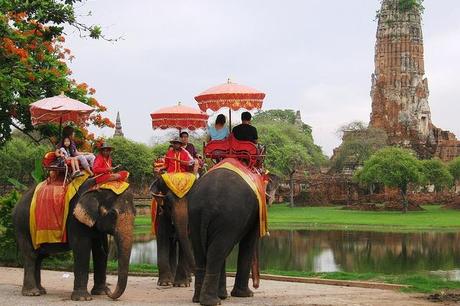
(219, 131)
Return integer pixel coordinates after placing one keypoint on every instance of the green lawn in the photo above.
(434, 218)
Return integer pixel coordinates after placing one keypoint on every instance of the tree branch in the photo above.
(25, 132)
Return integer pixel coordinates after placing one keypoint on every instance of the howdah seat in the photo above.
(246, 151)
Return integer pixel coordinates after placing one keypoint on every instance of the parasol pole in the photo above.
(60, 128)
(230, 118)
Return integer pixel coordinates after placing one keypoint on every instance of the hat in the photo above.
(105, 146)
(176, 140)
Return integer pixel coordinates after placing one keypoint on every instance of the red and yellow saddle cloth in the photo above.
(118, 187)
(179, 183)
(49, 210)
(256, 182)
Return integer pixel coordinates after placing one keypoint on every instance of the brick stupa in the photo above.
(399, 88)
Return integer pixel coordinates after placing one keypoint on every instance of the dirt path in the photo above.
(143, 291)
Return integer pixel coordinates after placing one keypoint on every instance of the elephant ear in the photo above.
(87, 209)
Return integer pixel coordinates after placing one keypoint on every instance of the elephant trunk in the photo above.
(124, 241)
(255, 266)
(180, 216)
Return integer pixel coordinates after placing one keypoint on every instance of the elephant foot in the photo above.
(80, 295)
(238, 292)
(161, 283)
(181, 284)
(31, 292)
(210, 301)
(222, 294)
(99, 290)
(42, 290)
(196, 297)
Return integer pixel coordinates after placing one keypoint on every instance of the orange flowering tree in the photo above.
(33, 63)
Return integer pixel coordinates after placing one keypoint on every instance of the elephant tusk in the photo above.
(159, 195)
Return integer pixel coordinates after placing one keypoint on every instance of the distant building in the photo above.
(399, 86)
(118, 128)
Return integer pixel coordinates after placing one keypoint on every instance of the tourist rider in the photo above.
(178, 159)
(219, 131)
(245, 131)
(65, 152)
(190, 148)
(86, 159)
(103, 170)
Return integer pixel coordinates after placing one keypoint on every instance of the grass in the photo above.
(433, 218)
(418, 282)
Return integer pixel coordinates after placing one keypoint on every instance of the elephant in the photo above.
(174, 252)
(223, 211)
(92, 215)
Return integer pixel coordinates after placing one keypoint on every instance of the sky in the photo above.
(315, 56)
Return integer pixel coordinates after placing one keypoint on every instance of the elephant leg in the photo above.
(173, 255)
(217, 252)
(165, 250)
(38, 268)
(200, 266)
(181, 278)
(81, 247)
(100, 253)
(200, 258)
(29, 285)
(222, 291)
(245, 254)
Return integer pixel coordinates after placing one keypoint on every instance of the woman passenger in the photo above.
(219, 131)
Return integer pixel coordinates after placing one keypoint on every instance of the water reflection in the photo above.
(329, 251)
(144, 252)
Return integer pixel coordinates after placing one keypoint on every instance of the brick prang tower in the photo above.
(399, 87)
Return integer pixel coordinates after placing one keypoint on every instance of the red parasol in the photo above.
(231, 95)
(179, 117)
(59, 109)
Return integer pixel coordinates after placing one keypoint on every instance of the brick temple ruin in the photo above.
(400, 107)
(400, 89)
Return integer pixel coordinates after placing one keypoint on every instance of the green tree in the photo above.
(134, 157)
(33, 60)
(454, 168)
(18, 158)
(290, 146)
(436, 173)
(282, 116)
(7, 240)
(407, 5)
(359, 142)
(392, 167)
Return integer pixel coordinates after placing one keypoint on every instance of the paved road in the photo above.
(143, 291)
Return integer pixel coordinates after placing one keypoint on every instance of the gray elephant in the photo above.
(92, 216)
(174, 252)
(223, 211)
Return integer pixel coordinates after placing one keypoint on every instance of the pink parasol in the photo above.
(231, 95)
(179, 117)
(59, 109)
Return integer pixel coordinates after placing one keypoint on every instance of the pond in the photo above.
(347, 251)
